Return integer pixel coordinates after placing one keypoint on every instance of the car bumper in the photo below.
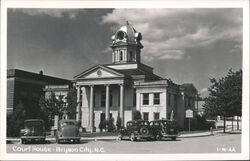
(143, 136)
(69, 138)
(33, 138)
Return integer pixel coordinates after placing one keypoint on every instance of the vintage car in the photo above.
(135, 130)
(164, 129)
(68, 130)
(34, 130)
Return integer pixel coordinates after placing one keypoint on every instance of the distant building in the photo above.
(26, 88)
(112, 90)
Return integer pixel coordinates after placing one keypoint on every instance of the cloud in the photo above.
(203, 90)
(56, 13)
(167, 33)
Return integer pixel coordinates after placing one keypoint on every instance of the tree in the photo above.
(15, 120)
(136, 115)
(51, 106)
(72, 103)
(225, 96)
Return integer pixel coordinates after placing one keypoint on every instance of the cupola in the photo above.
(126, 45)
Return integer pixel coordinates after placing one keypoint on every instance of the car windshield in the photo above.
(157, 123)
(130, 124)
(67, 123)
(30, 124)
(168, 123)
(143, 123)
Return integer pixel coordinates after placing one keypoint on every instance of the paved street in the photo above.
(219, 143)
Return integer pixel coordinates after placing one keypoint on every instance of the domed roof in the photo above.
(131, 34)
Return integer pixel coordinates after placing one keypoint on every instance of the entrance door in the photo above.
(103, 116)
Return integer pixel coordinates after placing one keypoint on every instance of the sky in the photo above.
(185, 45)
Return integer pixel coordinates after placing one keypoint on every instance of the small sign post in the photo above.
(189, 115)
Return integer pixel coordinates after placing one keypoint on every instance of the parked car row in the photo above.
(141, 129)
(68, 130)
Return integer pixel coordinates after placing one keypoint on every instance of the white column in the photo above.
(107, 103)
(85, 106)
(113, 57)
(78, 105)
(122, 104)
(138, 101)
(91, 108)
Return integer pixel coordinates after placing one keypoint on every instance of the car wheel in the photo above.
(158, 136)
(132, 137)
(144, 131)
(174, 138)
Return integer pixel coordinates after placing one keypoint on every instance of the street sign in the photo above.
(189, 113)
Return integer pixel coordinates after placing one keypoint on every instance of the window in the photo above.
(156, 115)
(102, 117)
(134, 98)
(94, 99)
(169, 99)
(110, 99)
(175, 104)
(103, 98)
(156, 98)
(145, 98)
(121, 55)
(145, 115)
(189, 102)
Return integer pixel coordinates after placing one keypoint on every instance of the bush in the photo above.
(110, 125)
(102, 125)
(118, 123)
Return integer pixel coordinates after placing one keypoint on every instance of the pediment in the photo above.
(98, 72)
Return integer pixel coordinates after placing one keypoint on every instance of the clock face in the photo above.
(120, 35)
(99, 73)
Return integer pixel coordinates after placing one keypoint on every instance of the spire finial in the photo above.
(127, 23)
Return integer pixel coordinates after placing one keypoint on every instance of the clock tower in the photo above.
(126, 45)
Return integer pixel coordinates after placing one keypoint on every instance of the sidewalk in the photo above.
(186, 134)
(113, 136)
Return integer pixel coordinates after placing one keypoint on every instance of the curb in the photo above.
(107, 139)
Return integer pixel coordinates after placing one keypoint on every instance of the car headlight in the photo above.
(24, 131)
(59, 133)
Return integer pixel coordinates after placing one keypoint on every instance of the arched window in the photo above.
(121, 55)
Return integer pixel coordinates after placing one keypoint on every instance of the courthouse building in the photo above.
(111, 90)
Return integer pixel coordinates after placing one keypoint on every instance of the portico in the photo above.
(103, 93)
